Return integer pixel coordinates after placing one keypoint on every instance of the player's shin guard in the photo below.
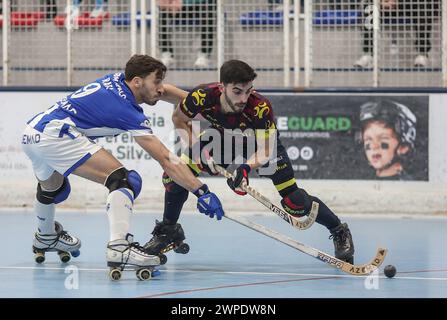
(45, 205)
(175, 197)
(298, 203)
(119, 209)
(343, 244)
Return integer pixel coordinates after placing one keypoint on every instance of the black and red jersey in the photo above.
(205, 100)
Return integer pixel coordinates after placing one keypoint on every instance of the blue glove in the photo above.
(208, 203)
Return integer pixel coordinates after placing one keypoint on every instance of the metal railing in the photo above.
(301, 43)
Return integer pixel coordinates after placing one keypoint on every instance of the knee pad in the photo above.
(135, 182)
(123, 178)
(171, 186)
(297, 203)
(57, 196)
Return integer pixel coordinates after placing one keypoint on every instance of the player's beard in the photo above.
(151, 102)
(234, 108)
(147, 98)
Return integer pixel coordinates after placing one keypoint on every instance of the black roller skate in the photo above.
(344, 247)
(61, 242)
(166, 237)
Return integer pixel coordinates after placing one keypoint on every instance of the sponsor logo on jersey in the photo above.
(260, 109)
(116, 79)
(146, 123)
(270, 125)
(199, 97)
(31, 138)
(185, 108)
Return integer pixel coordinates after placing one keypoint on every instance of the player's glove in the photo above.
(206, 163)
(240, 176)
(208, 203)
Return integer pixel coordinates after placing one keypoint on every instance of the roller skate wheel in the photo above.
(144, 274)
(39, 257)
(182, 248)
(75, 253)
(115, 274)
(64, 256)
(163, 258)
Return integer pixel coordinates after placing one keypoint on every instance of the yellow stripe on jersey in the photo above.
(264, 134)
(286, 184)
(190, 163)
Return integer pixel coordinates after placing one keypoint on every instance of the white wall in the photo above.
(18, 186)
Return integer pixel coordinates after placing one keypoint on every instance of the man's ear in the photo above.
(221, 87)
(137, 81)
(403, 149)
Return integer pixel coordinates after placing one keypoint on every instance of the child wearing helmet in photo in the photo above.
(388, 133)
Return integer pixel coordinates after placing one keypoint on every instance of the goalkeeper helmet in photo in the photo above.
(395, 115)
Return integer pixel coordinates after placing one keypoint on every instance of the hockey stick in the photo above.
(358, 270)
(295, 222)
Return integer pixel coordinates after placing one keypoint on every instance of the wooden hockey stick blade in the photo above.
(358, 270)
(304, 224)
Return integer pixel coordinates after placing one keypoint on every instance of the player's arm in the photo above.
(182, 124)
(171, 164)
(173, 94)
(182, 117)
(265, 140)
(265, 143)
(266, 137)
(207, 202)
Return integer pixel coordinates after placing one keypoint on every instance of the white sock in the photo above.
(45, 217)
(119, 209)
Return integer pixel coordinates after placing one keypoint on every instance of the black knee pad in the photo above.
(171, 186)
(297, 203)
(123, 178)
(57, 196)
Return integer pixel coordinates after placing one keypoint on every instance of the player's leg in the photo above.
(169, 231)
(124, 187)
(52, 188)
(176, 195)
(50, 234)
(79, 155)
(298, 202)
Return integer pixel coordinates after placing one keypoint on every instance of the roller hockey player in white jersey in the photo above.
(59, 142)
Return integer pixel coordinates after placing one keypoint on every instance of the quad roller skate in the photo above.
(124, 254)
(344, 247)
(61, 242)
(166, 237)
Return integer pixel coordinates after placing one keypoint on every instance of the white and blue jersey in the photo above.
(61, 138)
(105, 107)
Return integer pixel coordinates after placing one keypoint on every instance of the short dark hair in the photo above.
(236, 71)
(140, 65)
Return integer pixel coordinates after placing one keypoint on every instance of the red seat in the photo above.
(83, 20)
(24, 18)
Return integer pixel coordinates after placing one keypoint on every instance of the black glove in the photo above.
(239, 176)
